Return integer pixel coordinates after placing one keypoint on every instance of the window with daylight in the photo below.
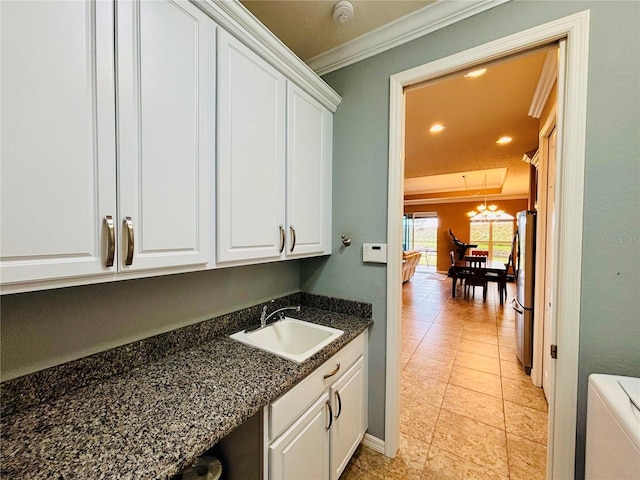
(496, 237)
(420, 232)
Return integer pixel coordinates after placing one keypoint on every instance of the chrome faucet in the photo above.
(264, 318)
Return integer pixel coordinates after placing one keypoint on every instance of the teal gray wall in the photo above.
(47, 328)
(610, 279)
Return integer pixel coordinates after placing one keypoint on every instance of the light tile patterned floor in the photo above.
(468, 411)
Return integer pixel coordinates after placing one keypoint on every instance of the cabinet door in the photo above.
(349, 425)
(58, 139)
(251, 154)
(302, 452)
(309, 154)
(166, 90)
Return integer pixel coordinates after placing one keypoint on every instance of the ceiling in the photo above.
(464, 158)
(474, 111)
(307, 26)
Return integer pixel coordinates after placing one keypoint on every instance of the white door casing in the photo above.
(549, 302)
(572, 81)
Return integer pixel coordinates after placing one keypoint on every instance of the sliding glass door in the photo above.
(420, 232)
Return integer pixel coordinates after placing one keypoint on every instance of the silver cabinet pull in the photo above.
(330, 414)
(339, 404)
(293, 238)
(111, 240)
(128, 223)
(331, 374)
(281, 238)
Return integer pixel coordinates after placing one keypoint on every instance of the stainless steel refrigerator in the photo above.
(525, 283)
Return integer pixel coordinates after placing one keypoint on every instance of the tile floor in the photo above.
(468, 411)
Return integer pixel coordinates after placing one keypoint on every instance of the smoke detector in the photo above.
(343, 12)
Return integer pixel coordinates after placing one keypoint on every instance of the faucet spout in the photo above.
(280, 312)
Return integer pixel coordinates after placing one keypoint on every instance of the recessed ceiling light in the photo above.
(476, 73)
(436, 127)
(504, 140)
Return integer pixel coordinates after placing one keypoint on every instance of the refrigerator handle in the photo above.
(515, 305)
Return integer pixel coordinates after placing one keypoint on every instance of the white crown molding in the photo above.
(535, 160)
(548, 77)
(417, 24)
(236, 19)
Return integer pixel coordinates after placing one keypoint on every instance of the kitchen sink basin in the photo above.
(290, 338)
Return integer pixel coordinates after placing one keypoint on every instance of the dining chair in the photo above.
(480, 253)
(460, 274)
(476, 275)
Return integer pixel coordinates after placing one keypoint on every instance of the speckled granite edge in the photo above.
(29, 390)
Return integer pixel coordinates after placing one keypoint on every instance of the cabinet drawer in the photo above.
(284, 410)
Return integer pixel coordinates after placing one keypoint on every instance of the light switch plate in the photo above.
(374, 252)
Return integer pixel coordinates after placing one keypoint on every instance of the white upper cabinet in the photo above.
(309, 154)
(58, 152)
(82, 202)
(139, 137)
(251, 154)
(166, 90)
(274, 198)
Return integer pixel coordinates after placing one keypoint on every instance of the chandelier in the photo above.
(484, 212)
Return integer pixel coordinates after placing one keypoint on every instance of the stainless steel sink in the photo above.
(290, 338)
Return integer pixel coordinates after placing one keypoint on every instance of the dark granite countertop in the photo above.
(154, 419)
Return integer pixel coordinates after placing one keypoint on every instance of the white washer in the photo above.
(613, 428)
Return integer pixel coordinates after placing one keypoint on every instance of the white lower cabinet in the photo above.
(348, 426)
(302, 452)
(314, 429)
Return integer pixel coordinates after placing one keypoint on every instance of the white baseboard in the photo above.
(373, 443)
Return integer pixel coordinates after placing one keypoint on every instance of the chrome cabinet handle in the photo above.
(128, 223)
(293, 236)
(330, 414)
(339, 404)
(111, 240)
(331, 374)
(281, 238)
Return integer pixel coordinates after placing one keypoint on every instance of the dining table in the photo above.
(493, 266)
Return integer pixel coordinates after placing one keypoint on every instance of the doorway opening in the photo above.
(460, 371)
(571, 126)
(420, 232)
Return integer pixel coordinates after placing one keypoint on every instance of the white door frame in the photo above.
(570, 181)
(545, 252)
